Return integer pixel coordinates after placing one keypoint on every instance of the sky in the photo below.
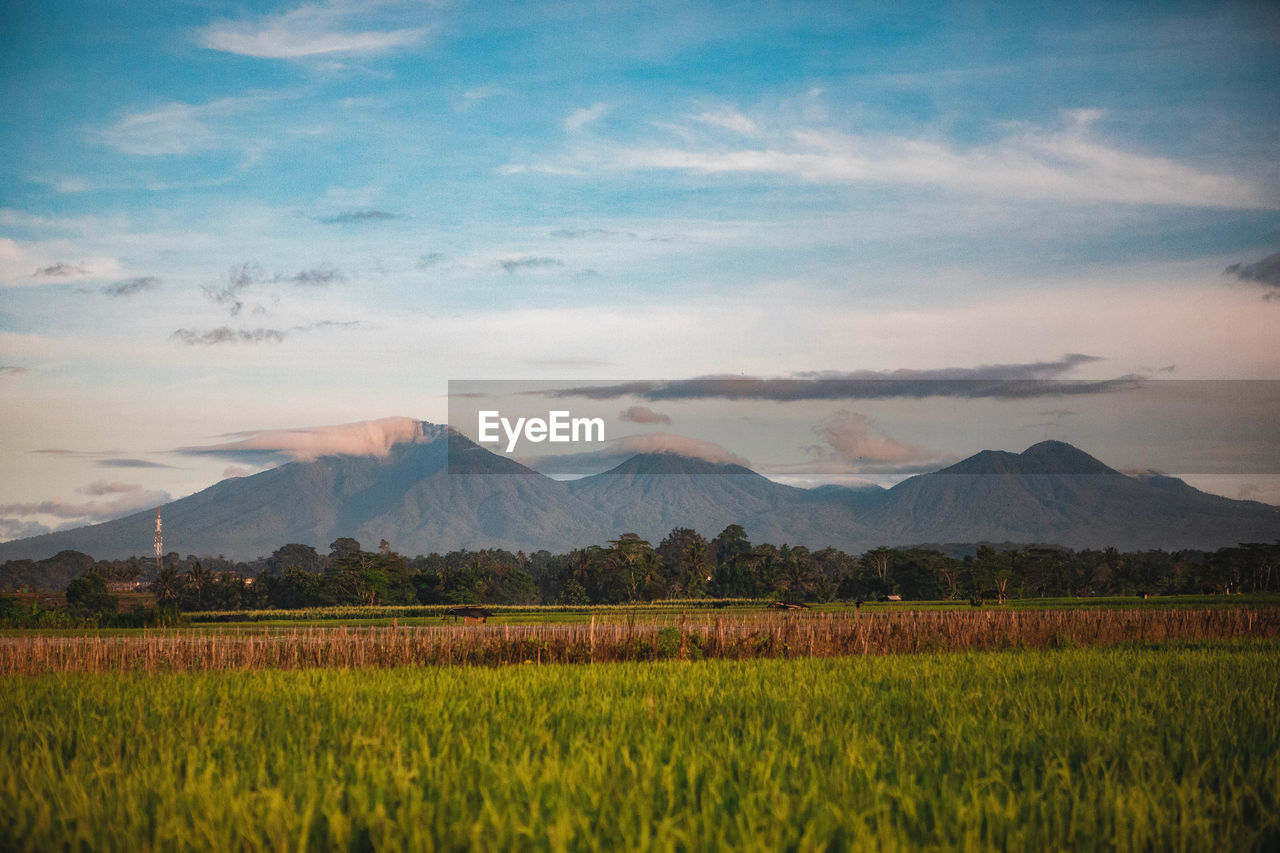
(223, 223)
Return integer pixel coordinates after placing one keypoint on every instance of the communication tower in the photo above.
(159, 540)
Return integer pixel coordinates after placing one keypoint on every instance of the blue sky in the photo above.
(222, 218)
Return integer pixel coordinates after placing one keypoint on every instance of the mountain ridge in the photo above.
(438, 495)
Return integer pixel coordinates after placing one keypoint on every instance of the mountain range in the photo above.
(443, 492)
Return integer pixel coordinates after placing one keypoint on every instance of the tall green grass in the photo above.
(1125, 748)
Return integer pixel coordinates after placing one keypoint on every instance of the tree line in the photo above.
(685, 564)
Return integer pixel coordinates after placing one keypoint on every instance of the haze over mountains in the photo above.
(1051, 493)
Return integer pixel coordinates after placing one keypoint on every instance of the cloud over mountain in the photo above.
(362, 438)
(121, 499)
(618, 450)
(643, 415)
(853, 440)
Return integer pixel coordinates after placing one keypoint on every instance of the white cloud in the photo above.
(852, 440)
(179, 128)
(643, 415)
(537, 169)
(1067, 164)
(169, 129)
(364, 438)
(129, 498)
(25, 264)
(616, 451)
(307, 31)
(584, 116)
(730, 119)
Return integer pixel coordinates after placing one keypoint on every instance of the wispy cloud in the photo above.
(101, 458)
(231, 294)
(730, 119)
(483, 93)
(317, 276)
(998, 381)
(350, 216)
(514, 265)
(1265, 272)
(591, 234)
(227, 295)
(21, 528)
(178, 128)
(130, 463)
(132, 286)
(228, 335)
(61, 270)
(580, 118)
(307, 31)
(1066, 163)
(125, 498)
(27, 264)
(538, 169)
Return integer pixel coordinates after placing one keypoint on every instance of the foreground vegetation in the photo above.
(1121, 748)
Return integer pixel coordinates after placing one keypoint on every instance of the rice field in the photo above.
(736, 636)
(1131, 747)
(427, 614)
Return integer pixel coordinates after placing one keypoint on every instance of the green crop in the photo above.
(1121, 748)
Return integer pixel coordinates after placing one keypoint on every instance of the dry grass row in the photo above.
(753, 636)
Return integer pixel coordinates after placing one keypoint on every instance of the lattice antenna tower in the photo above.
(159, 540)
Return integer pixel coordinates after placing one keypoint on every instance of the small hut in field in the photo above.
(469, 614)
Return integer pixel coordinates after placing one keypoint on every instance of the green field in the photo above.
(433, 614)
(1118, 748)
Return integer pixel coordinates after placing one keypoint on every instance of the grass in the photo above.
(1119, 748)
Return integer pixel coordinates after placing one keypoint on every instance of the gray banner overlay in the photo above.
(834, 428)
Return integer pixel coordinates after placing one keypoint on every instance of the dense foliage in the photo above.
(1169, 748)
(683, 565)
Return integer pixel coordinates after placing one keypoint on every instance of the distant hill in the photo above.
(408, 498)
(1051, 493)
(1054, 493)
(652, 493)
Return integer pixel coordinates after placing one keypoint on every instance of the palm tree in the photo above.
(198, 580)
(167, 586)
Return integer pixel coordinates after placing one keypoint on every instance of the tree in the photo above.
(730, 544)
(573, 593)
(167, 587)
(343, 548)
(88, 594)
(296, 588)
(795, 577)
(687, 557)
(295, 554)
(197, 580)
(637, 563)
